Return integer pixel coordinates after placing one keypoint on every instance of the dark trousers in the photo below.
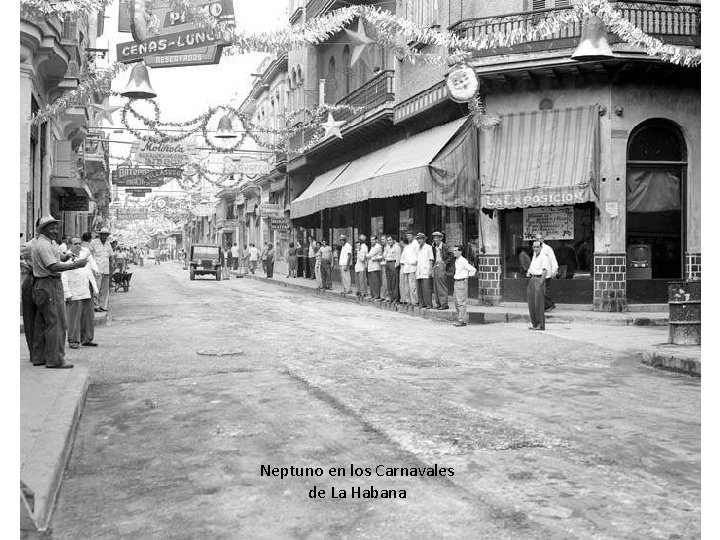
(80, 321)
(301, 266)
(28, 311)
(375, 282)
(548, 301)
(234, 262)
(50, 322)
(440, 287)
(269, 267)
(424, 291)
(310, 268)
(536, 301)
(393, 281)
(325, 273)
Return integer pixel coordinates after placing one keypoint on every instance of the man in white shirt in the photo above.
(548, 252)
(235, 254)
(253, 257)
(344, 262)
(365, 251)
(360, 276)
(383, 275)
(102, 252)
(463, 270)
(79, 287)
(392, 269)
(311, 256)
(408, 262)
(538, 272)
(424, 271)
(375, 256)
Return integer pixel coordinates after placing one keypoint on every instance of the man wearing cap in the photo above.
(442, 266)
(392, 269)
(102, 251)
(50, 323)
(408, 262)
(423, 272)
(344, 262)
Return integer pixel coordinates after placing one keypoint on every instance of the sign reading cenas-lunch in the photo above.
(173, 41)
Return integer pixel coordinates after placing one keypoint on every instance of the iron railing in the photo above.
(374, 93)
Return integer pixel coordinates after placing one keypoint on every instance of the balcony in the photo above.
(673, 23)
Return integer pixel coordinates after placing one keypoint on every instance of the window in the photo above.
(330, 82)
(423, 13)
(346, 69)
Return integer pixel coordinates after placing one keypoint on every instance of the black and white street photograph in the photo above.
(359, 269)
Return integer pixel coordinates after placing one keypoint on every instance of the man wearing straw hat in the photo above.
(50, 322)
(102, 251)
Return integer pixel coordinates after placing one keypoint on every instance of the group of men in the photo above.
(62, 285)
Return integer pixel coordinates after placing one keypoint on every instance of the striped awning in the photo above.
(399, 169)
(542, 158)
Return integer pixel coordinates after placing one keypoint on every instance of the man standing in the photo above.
(80, 287)
(311, 257)
(344, 262)
(423, 272)
(548, 252)
(263, 257)
(102, 251)
(26, 291)
(538, 272)
(326, 263)
(374, 258)
(360, 277)
(441, 268)
(365, 250)
(235, 254)
(408, 260)
(50, 323)
(269, 261)
(383, 275)
(463, 270)
(392, 270)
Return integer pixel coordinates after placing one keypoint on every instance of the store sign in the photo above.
(135, 177)
(553, 222)
(279, 224)
(138, 192)
(161, 154)
(136, 213)
(551, 197)
(74, 203)
(270, 210)
(176, 42)
(249, 167)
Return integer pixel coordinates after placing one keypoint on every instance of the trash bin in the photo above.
(684, 316)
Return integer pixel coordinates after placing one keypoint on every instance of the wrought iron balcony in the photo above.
(672, 22)
(374, 93)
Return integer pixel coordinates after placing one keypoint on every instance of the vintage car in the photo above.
(205, 259)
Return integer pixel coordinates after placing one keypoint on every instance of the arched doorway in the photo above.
(655, 206)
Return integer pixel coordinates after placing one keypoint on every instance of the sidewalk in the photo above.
(640, 333)
(100, 319)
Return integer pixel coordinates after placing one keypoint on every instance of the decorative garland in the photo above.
(43, 9)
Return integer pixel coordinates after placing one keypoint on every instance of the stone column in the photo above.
(26, 187)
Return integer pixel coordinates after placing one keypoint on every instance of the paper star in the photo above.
(361, 38)
(104, 112)
(332, 126)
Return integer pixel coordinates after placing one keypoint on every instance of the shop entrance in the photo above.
(656, 168)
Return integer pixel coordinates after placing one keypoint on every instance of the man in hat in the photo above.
(424, 272)
(443, 265)
(80, 287)
(50, 323)
(408, 262)
(392, 270)
(374, 267)
(344, 262)
(102, 252)
(462, 271)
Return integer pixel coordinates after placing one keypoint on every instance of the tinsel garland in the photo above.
(479, 114)
(43, 9)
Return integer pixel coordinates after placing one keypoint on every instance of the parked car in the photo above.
(205, 259)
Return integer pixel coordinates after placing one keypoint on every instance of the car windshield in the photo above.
(205, 252)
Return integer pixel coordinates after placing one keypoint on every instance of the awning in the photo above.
(542, 158)
(402, 168)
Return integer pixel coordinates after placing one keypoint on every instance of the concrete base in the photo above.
(673, 361)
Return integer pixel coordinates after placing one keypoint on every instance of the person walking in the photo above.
(227, 260)
(408, 260)
(253, 257)
(102, 252)
(538, 272)
(79, 287)
(462, 271)
(374, 258)
(441, 267)
(424, 271)
(344, 262)
(50, 322)
(392, 270)
(326, 264)
(235, 254)
(292, 260)
(360, 265)
(263, 257)
(548, 252)
(269, 261)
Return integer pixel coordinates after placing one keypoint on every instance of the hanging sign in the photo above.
(249, 167)
(270, 210)
(139, 212)
(162, 154)
(171, 39)
(74, 203)
(138, 192)
(135, 177)
(553, 222)
(279, 224)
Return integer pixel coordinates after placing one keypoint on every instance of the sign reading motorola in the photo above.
(162, 154)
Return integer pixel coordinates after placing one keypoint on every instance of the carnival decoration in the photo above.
(225, 128)
(593, 41)
(138, 86)
(332, 126)
(142, 23)
(362, 40)
(103, 112)
(462, 83)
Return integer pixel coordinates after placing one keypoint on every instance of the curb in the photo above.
(671, 362)
(44, 466)
(100, 320)
(479, 317)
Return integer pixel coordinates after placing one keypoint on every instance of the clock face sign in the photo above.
(462, 83)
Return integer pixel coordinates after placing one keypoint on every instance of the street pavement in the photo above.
(196, 385)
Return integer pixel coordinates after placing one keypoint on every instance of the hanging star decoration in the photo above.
(362, 40)
(104, 112)
(332, 126)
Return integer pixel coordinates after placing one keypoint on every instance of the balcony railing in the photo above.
(676, 23)
(377, 91)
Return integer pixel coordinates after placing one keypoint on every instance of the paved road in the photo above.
(547, 437)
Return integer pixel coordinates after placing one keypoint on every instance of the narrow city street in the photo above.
(198, 384)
